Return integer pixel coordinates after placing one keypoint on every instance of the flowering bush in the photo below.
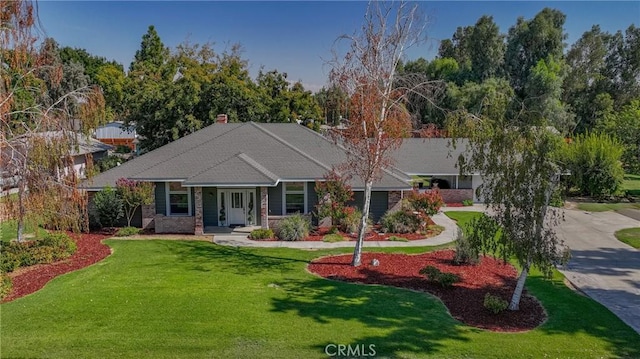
(428, 202)
(333, 193)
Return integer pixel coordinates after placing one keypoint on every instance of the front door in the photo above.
(237, 208)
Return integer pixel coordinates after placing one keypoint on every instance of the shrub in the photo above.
(262, 233)
(400, 222)
(333, 237)
(434, 274)
(494, 303)
(128, 231)
(52, 247)
(350, 222)
(109, 207)
(467, 202)
(465, 252)
(428, 202)
(5, 285)
(63, 246)
(293, 228)
(594, 162)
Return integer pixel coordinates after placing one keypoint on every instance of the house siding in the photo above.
(275, 200)
(161, 198)
(312, 197)
(378, 206)
(210, 206)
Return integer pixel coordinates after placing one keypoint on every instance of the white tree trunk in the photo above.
(357, 253)
(21, 210)
(517, 293)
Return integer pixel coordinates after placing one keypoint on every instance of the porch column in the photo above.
(264, 207)
(199, 226)
(149, 212)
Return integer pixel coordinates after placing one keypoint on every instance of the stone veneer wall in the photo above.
(149, 213)
(198, 222)
(175, 224)
(264, 207)
(456, 195)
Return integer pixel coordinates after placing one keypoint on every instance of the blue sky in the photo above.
(291, 36)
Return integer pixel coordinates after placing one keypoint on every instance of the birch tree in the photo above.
(367, 73)
(40, 130)
(520, 171)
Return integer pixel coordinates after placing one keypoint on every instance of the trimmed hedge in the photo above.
(261, 233)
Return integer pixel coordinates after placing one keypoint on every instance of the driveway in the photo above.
(602, 267)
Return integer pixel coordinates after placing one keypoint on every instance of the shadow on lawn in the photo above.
(406, 322)
(572, 313)
(239, 260)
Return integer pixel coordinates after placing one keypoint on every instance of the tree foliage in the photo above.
(43, 120)
(368, 73)
(520, 172)
(333, 195)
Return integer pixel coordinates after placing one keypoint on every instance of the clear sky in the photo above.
(291, 36)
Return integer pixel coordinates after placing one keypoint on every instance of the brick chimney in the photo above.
(222, 118)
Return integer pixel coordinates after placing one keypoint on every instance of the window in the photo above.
(295, 197)
(179, 200)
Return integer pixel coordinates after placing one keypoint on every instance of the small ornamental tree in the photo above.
(134, 194)
(333, 194)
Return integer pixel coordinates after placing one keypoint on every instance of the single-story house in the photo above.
(247, 174)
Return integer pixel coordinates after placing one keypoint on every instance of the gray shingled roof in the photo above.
(428, 156)
(239, 154)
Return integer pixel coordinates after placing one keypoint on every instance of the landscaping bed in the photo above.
(30, 279)
(464, 299)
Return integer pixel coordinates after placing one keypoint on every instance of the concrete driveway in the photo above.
(602, 267)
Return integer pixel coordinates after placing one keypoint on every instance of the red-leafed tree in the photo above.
(378, 117)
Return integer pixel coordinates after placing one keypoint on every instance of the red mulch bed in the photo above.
(464, 300)
(30, 279)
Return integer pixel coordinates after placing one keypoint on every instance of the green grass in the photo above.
(630, 236)
(333, 237)
(631, 184)
(9, 230)
(602, 207)
(179, 299)
(462, 218)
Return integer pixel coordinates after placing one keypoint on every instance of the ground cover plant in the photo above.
(630, 236)
(249, 302)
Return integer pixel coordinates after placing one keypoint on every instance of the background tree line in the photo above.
(528, 72)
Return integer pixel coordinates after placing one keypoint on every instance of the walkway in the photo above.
(447, 236)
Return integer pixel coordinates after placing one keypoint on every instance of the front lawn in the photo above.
(602, 207)
(631, 184)
(9, 231)
(189, 299)
(630, 236)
